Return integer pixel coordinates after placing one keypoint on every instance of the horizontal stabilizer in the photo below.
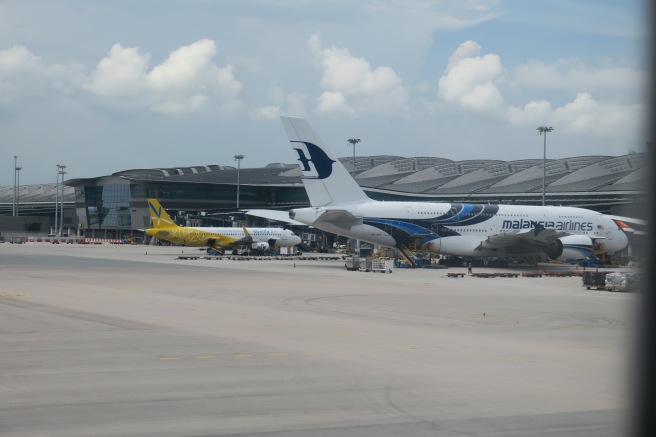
(281, 216)
(630, 226)
(337, 216)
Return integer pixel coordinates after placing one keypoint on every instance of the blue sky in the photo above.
(107, 86)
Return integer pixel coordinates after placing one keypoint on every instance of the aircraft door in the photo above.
(410, 211)
(545, 216)
(610, 232)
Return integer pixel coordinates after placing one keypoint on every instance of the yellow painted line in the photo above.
(169, 358)
(206, 357)
(243, 355)
(13, 295)
(278, 354)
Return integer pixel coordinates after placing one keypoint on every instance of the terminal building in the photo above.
(115, 206)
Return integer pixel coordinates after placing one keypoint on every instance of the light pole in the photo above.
(61, 210)
(238, 158)
(57, 201)
(353, 142)
(18, 169)
(544, 130)
(13, 205)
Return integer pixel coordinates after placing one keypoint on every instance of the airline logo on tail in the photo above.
(158, 215)
(323, 165)
(623, 226)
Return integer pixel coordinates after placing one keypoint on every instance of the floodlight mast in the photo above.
(57, 200)
(544, 130)
(17, 191)
(13, 205)
(353, 142)
(238, 158)
(62, 172)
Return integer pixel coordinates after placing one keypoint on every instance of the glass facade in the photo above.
(108, 205)
(193, 192)
(249, 195)
(115, 203)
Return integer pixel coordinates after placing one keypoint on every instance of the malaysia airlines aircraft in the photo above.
(340, 206)
(218, 239)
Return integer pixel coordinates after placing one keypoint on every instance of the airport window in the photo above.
(108, 206)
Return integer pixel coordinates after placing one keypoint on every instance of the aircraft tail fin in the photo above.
(158, 215)
(326, 180)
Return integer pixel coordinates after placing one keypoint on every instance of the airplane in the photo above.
(340, 206)
(217, 239)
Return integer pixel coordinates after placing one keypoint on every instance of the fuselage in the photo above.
(461, 228)
(203, 236)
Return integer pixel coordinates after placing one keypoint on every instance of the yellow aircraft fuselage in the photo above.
(189, 236)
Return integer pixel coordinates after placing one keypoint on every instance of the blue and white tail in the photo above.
(326, 181)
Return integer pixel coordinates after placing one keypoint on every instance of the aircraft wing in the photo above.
(532, 236)
(281, 216)
(246, 240)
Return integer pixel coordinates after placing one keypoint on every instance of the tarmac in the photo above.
(122, 340)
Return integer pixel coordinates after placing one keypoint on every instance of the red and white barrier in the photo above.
(74, 240)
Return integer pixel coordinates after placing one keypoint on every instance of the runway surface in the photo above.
(104, 340)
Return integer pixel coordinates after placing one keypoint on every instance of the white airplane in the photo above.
(341, 207)
(217, 239)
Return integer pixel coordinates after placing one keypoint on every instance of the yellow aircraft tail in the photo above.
(159, 216)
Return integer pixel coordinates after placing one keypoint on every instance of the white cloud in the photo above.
(584, 116)
(17, 59)
(587, 116)
(20, 74)
(23, 74)
(180, 104)
(427, 16)
(470, 80)
(351, 86)
(191, 67)
(532, 114)
(121, 73)
(281, 103)
(268, 112)
(572, 74)
(334, 102)
(185, 82)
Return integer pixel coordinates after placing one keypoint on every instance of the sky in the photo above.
(106, 86)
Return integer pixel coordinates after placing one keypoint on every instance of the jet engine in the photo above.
(570, 247)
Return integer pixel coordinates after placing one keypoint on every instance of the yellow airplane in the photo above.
(217, 239)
